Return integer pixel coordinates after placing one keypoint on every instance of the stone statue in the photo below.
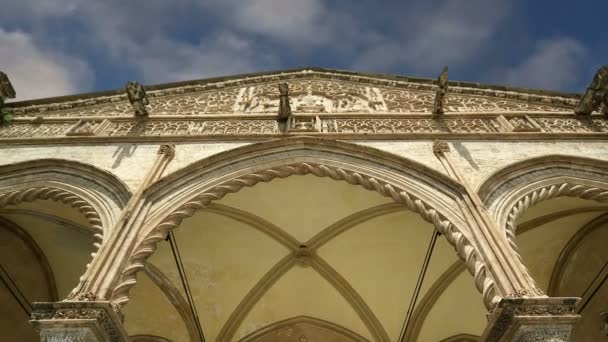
(6, 88)
(284, 106)
(596, 94)
(137, 97)
(442, 89)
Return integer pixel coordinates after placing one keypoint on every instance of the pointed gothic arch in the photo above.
(420, 189)
(97, 194)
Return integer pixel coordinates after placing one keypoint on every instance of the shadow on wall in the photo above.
(465, 154)
(123, 151)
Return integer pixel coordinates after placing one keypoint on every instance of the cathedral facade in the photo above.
(305, 205)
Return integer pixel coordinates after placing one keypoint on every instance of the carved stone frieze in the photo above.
(422, 125)
(310, 92)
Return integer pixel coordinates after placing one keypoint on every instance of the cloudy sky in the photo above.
(60, 47)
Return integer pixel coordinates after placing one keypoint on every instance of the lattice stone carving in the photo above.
(464, 125)
(192, 127)
(35, 131)
(572, 125)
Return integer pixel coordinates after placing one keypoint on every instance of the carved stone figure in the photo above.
(442, 89)
(6, 88)
(137, 96)
(284, 106)
(596, 94)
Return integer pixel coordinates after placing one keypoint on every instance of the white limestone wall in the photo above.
(129, 162)
(476, 159)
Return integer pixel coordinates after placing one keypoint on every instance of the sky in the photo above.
(61, 47)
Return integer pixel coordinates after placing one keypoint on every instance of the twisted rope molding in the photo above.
(547, 192)
(483, 280)
(58, 195)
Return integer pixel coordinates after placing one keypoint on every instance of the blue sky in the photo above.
(61, 47)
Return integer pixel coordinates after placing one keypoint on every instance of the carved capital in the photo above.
(78, 321)
(440, 147)
(168, 150)
(532, 319)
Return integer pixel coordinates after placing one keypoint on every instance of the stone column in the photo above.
(532, 320)
(78, 322)
(87, 314)
(524, 313)
(100, 277)
(510, 275)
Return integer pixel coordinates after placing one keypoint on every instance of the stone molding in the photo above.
(475, 265)
(490, 126)
(98, 321)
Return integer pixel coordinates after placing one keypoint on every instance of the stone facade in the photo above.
(138, 166)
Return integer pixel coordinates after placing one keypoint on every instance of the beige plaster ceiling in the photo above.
(248, 271)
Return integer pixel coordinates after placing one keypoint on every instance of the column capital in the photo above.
(440, 147)
(168, 150)
(93, 321)
(532, 319)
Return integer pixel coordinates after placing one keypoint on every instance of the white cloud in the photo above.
(303, 22)
(554, 64)
(442, 33)
(163, 60)
(37, 72)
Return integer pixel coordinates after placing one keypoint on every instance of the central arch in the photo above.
(420, 189)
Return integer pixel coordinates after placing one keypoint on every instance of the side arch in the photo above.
(511, 191)
(97, 194)
(429, 193)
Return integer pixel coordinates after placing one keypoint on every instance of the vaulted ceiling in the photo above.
(305, 259)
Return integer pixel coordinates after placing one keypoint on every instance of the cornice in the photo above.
(398, 82)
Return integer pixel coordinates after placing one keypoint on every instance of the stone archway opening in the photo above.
(304, 245)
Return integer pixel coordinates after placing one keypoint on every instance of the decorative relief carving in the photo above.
(44, 130)
(419, 125)
(192, 127)
(519, 123)
(312, 96)
(63, 312)
(508, 309)
(311, 92)
(25, 129)
(573, 125)
(87, 127)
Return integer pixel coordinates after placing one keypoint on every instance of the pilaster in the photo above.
(98, 281)
(78, 322)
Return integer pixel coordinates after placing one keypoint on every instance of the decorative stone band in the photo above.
(344, 127)
(476, 266)
(76, 321)
(63, 196)
(532, 319)
(545, 193)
